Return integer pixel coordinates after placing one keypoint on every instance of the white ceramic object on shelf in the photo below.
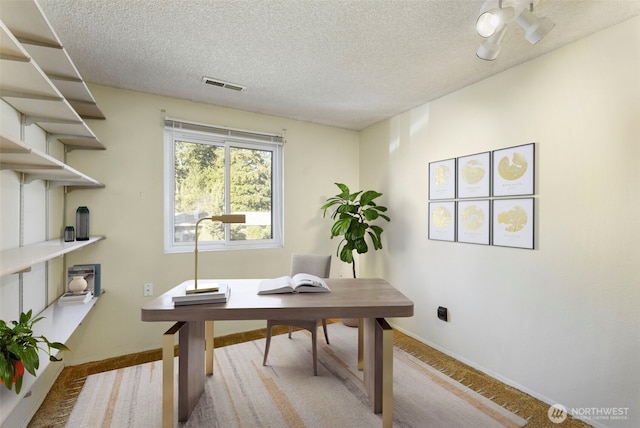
(78, 284)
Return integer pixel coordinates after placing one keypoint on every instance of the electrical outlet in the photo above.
(147, 290)
(443, 313)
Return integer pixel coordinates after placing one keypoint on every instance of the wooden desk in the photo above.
(369, 299)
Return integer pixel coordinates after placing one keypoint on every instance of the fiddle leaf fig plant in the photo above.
(354, 215)
(19, 349)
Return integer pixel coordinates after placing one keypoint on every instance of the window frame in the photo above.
(201, 136)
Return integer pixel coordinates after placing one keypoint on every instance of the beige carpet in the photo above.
(285, 393)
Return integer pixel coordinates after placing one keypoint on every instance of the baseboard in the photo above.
(478, 367)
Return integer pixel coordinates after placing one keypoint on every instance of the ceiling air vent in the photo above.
(222, 84)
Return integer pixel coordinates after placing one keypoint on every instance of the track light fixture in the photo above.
(490, 48)
(496, 14)
(535, 28)
(493, 18)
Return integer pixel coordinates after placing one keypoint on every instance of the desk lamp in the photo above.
(224, 218)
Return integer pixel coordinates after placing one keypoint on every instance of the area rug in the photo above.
(244, 393)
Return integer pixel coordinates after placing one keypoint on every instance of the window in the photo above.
(210, 171)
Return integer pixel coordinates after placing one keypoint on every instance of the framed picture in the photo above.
(442, 179)
(90, 272)
(474, 176)
(513, 221)
(442, 221)
(514, 171)
(474, 218)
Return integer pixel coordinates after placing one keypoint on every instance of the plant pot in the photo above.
(19, 372)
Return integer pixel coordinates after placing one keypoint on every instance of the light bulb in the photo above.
(493, 20)
(487, 24)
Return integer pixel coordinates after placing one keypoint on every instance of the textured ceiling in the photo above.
(347, 64)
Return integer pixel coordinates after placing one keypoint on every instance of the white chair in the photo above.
(314, 264)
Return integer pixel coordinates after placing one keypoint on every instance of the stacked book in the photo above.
(70, 298)
(217, 294)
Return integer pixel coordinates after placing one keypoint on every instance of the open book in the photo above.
(299, 283)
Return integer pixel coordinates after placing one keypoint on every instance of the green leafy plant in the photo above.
(354, 216)
(18, 344)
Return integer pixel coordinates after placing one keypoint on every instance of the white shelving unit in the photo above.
(28, 89)
(39, 39)
(21, 259)
(32, 58)
(26, 34)
(59, 323)
(17, 156)
(39, 80)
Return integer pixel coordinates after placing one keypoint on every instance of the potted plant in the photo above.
(19, 350)
(354, 216)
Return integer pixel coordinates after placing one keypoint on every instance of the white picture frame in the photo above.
(442, 179)
(513, 223)
(442, 221)
(514, 171)
(473, 223)
(474, 176)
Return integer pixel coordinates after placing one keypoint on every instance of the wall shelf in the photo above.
(15, 260)
(17, 156)
(29, 25)
(55, 62)
(39, 80)
(28, 89)
(59, 323)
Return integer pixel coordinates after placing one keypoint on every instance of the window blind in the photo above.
(178, 124)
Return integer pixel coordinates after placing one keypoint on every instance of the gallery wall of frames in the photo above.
(485, 198)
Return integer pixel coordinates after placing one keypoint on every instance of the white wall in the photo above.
(129, 212)
(562, 321)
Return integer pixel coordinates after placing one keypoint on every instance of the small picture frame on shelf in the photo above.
(442, 179)
(474, 218)
(514, 171)
(91, 273)
(474, 175)
(513, 223)
(442, 221)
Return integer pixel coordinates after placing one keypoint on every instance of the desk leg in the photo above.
(360, 344)
(168, 343)
(191, 366)
(208, 338)
(378, 367)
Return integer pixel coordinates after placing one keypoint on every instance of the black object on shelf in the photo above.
(69, 234)
(82, 224)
